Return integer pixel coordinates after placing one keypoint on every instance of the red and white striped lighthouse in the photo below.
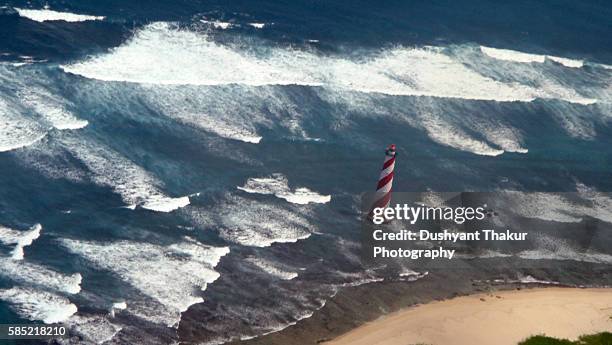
(385, 181)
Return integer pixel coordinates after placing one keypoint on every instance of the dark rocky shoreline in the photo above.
(354, 306)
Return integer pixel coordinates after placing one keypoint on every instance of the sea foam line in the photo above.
(23, 142)
(238, 220)
(136, 185)
(37, 305)
(45, 15)
(20, 239)
(272, 268)
(51, 108)
(31, 274)
(278, 185)
(168, 275)
(516, 56)
(400, 71)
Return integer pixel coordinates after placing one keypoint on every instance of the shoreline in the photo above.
(352, 307)
(503, 318)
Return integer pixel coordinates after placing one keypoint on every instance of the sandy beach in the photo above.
(501, 318)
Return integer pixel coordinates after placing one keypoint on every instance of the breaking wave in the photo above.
(208, 109)
(19, 239)
(272, 268)
(238, 220)
(192, 58)
(136, 186)
(45, 15)
(446, 134)
(17, 131)
(96, 329)
(516, 56)
(38, 305)
(527, 279)
(35, 275)
(560, 208)
(51, 109)
(278, 185)
(217, 24)
(162, 204)
(167, 275)
(28, 112)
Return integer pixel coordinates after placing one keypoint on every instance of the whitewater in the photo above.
(425, 71)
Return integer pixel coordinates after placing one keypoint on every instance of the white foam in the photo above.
(161, 53)
(363, 281)
(20, 142)
(17, 131)
(566, 62)
(550, 89)
(559, 208)
(483, 254)
(179, 62)
(304, 196)
(506, 138)
(169, 275)
(492, 254)
(20, 239)
(272, 269)
(446, 134)
(221, 127)
(163, 204)
(257, 25)
(38, 305)
(516, 56)
(45, 15)
(544, 254)
(549, 248)
(278, 185)
(429, 72)
(96, 329)
(135, 185)
(599, 205)
(51, 108)
(31, 274)
(522, 279)
(218, 24)
(297, 316)
(120, 305)
(239, 220)
(410, 275)
(207, 109)
(546, 206)
(512, 55)
(531, 280)
(27, 112)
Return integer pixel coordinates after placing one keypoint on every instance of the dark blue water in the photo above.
(159, 103)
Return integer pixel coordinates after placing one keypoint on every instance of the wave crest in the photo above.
(161, 53)
(46, 15)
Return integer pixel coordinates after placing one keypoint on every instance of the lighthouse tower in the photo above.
(385, 181)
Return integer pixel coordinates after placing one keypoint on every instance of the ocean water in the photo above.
(157, 157)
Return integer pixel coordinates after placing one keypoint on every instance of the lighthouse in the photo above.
(382, 198)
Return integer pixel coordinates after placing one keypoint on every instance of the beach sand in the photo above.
(501, 318)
